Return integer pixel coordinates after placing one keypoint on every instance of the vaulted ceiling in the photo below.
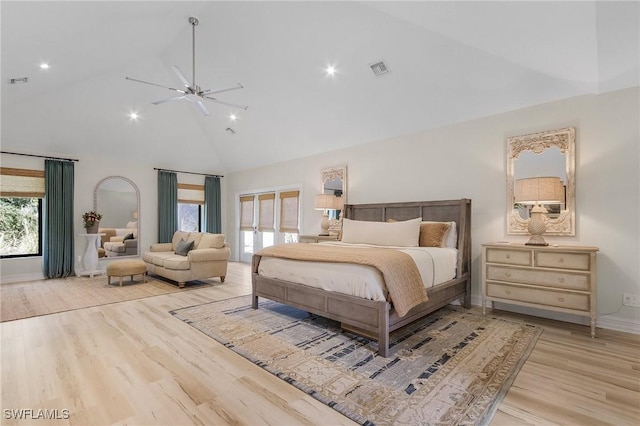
(448, 61)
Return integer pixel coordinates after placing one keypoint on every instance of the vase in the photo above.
(93, 229)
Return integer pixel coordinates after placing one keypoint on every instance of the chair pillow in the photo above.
(128, 237)
(183, 247)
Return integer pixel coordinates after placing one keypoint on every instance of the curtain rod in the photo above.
(190, 173)
(48, 157)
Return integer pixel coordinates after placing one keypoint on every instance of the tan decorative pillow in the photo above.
(433, 234)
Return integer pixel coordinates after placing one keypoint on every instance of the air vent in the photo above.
(379, 68)
(230, 131)
(18, 80)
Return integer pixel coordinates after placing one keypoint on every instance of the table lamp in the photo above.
(537, 192)
(324, 202)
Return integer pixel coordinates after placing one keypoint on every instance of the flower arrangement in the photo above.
(90, 218)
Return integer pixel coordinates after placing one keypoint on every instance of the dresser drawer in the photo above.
(510, 257)
(549, 259)
(577, 301)
(554, 279)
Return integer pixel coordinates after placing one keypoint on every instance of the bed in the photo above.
(377, 318)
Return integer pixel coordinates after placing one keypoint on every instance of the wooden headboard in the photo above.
(458, 211)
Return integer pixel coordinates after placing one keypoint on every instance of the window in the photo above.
(189, 217)
(190, 201)
(21, 212)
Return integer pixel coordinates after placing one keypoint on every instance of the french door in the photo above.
(258, 213)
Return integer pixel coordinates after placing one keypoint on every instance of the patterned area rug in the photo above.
(452, 367)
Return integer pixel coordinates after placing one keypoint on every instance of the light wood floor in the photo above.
(133, 363)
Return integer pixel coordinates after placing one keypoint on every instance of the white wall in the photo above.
(468, 160)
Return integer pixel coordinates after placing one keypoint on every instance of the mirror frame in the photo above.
(331, 173)
(565, 140)
(130, 182)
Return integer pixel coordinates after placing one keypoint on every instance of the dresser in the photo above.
(556, 278)
(316, 238)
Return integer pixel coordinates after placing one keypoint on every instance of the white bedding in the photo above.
(436, 265)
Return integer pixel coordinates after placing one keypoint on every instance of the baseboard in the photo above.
(608, 322)
(21, 278)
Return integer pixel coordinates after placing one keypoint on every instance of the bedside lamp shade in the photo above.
(538, 191)
(324, 202)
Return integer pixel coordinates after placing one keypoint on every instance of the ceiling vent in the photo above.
(18, 80)
(379, 68)
(230, 131)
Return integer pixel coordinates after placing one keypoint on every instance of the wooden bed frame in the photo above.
(376, 319)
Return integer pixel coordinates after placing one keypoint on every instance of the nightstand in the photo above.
(316, 238)
(561, 278)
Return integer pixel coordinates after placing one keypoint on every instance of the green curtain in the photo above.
(167, 206)
(212, 209)
(58, 219)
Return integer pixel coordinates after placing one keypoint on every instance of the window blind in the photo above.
(190, 193)
(246, 212)
(266, 206)
(21, 183)
(289, 202)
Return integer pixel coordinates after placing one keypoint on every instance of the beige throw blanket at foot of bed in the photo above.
(398, 269)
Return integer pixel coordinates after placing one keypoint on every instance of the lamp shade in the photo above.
(539, 190)
(338, 203)
(324, 202)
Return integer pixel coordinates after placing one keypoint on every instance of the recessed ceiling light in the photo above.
(330, 70)
(133, 116)
(233, 117)
(44, 66)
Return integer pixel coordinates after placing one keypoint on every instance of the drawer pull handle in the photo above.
(561, 299)
(508, 256)
(561, 280)
(507, 274)
(561, 260)
(507, 291)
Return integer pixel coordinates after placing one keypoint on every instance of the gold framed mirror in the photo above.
(544, 154)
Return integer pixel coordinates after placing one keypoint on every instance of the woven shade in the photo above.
(246, 212)
(289, 206)
(539, 190)
(21, 183)
(190, 193)
(266, 215)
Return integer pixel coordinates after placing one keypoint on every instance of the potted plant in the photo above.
(91, 221)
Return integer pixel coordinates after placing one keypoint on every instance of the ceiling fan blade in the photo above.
(154, 84)
(224, 89)
(244, 107)
(181, 76)
(202, 108)
(173, 98)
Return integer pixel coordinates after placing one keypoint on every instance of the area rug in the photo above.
(34, 298)
(452, 367)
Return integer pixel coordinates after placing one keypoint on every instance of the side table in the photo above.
(90, 260)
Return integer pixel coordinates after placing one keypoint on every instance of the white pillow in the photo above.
(451, 240)
(401, 234)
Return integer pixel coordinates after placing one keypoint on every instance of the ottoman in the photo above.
(120, 268)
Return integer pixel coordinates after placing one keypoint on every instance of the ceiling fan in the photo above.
(192, 92)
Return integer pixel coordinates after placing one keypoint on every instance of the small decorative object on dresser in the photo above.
(557, 278)
(316, 238)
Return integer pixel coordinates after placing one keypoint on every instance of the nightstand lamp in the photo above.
(324, 202)
(537, 192)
